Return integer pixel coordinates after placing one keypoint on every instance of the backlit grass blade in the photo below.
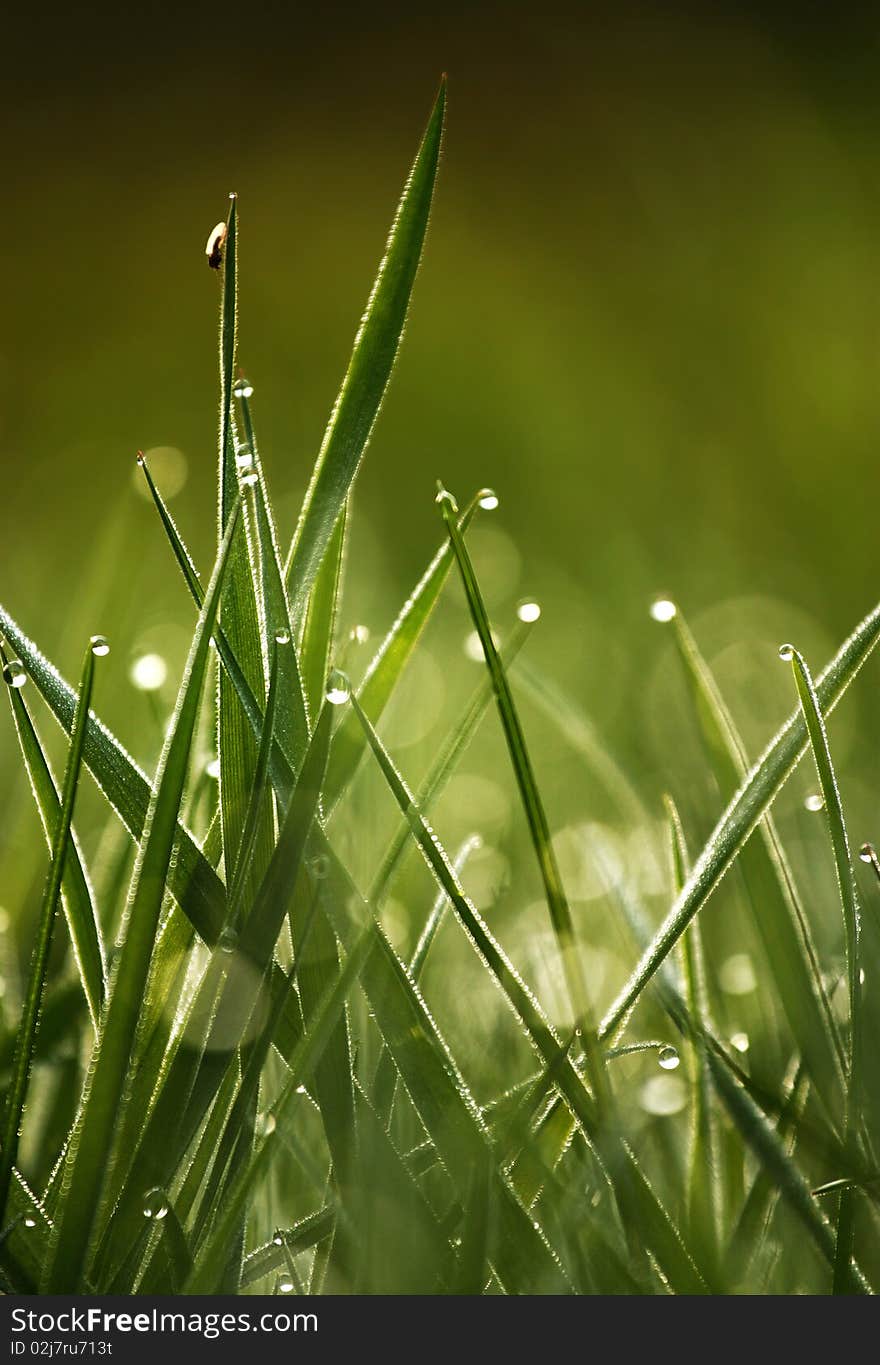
(372, 360)
(635, 1192)
(386, 668)
(849, 899)
(192, 880)
(557, 903)
(271, 1256)
(256, 802)
(744, 811)
(772, 897)
(85, 1174)
(319, 629)
(27, 1029)
(82, 919)
(292, 721)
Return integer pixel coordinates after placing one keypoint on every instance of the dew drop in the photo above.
(282, 637)
(250, 478)
(739, 1041)
(285, 1286)
(30, 1222)
(866, 853)
(265, 1124)
(155, 1204)
(212, 769)
(786, 653)
(228, 941)
(277, 1240)
(815, 801)
(359, 635)
(100, 646)
(488, 499)
(338, 688)
(244, 458)
(148, 673)
(141, 459)
(243, 389)
(301, 1090)
(14, 674)
(663, 610)
(528, 611)
(445, 499)
(668, 1057)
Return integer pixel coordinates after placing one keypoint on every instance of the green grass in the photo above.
(280, 1087)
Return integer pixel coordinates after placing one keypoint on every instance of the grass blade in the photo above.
(27, 1030)
(372, 360)
(742, 814)
(85, 1174)
(849, 899)
(320, 624)
(82, 918)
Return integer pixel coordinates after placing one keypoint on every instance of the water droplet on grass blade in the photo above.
(155, 1204)
(668, 1057)
(786, 653)
(212, 768)
(528, 611)
(663, 610)
(30, 1222)
(265, 1124)
(338, 688)
(278, 1240)
(243, 389)
(100, 646)
(14, 674)
(148, 673)
(740, 1041)
(282, 637)
(228, 941)
(285, 1286)
(488, 499)
(815, 801)
(359, 635)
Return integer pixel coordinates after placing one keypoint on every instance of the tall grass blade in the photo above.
(27, 1029)
(319, 628)
(372, 360)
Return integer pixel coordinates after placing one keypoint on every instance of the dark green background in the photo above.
(648, 316)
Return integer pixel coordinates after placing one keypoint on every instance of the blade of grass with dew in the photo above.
(388, 664)
(632, 1187)
(238, 617)
(363, 388)
(319, 627)
(434, 1083)
(85, 1174)
(24, 1044)
(772, 895)
(212, 1256)
(303, 1235)
(192, 880)
(746, 808)
(703, 1201)
(849, 900)
(533, 806)
(82, 918)
(292, 723)
(24, 1237)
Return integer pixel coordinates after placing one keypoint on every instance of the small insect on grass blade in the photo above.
(849, 899)
(82, 918)
(742, 814)
(372, 360)
(91, 1144)
(27, 1029)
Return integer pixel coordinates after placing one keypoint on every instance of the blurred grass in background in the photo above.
(647, 316)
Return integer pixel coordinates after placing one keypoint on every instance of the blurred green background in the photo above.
(648, 316)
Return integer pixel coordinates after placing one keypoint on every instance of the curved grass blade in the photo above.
(557, 903)
(85, 1174)
(849, 899)
(192, 880)
(772, 896)
(304, 1234)
(27, 1029)
(742, 814)
(372, 360)
(82, 919)
(395, 651)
